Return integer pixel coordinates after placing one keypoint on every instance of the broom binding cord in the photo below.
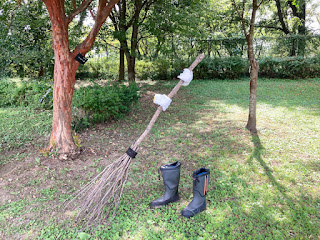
(131, 153)
(100, 198)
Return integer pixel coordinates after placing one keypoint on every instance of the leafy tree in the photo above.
(129, 15)
(289, 18)
(25, 39)
(248, 21)
(172, 27)
(62, 13)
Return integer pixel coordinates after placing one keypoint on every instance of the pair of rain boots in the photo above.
(171, 176)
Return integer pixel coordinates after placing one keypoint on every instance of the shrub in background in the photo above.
(99, 68)
(290, 67)
(233, 67)
(222, 68)
(34, 94)
(101, 103)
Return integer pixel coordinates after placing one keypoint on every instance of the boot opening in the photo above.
(171, 165)
(202, 171)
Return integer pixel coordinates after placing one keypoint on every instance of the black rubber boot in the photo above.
(171, 176)
(200, 188)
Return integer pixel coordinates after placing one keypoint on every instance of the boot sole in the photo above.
(165, 203)
(189, 213)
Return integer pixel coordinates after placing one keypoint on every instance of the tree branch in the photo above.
(91, 12)
(74, 5)
(253, 17)
(83, 6)
(147, 8)
(260, 3)
(241, 16)
(104, 10)
(280, 16)
(294, 9)
(113, 20)
(271, 27)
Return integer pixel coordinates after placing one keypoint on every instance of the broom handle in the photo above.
(159, 109)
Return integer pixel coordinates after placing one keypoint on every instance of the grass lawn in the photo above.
(261, 187)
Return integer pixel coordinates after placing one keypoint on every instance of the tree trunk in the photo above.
(252, 122)
(64, 79)
(293, 46)
(301, 41)
(121, 64)
(65, 68)
(254, 69)
(131, 57)
(299, 11)
(131, 62)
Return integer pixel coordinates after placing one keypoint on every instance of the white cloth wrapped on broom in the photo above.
(186, 76)
(162, 100)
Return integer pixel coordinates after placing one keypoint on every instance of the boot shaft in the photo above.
(171, 175)
(200, 188)
(201, 181)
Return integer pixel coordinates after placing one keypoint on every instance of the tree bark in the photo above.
(131, 64)
(254, 67)
(64, 79)
(252, 118)
(284, 27)
(121, 64)
(122, 29)
(131, 56)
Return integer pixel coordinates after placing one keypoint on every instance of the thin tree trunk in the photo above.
(254, 69)
(293, 46)
(131, 64)
(131, 57)
(121, 64)
(252, 119)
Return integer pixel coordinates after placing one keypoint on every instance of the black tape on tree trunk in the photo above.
(81, 59)
(131, 153)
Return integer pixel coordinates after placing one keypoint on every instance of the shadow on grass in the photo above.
(301, 213)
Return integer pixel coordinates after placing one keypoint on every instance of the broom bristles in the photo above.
(98, 201)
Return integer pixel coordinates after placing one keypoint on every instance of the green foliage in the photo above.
(25, 40)
(290, 67)
(25, 93)
(222, 68)
(101, 103)
(231, 67)
(159, 69)
(99, 68)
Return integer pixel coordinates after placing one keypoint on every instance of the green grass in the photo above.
(261, 187)
(19, 126)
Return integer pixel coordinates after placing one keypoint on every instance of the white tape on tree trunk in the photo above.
(162, 100)
(186, 76)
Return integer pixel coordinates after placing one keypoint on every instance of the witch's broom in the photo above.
(98, 200)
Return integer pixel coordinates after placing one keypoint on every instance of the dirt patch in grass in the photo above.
(44, 182)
